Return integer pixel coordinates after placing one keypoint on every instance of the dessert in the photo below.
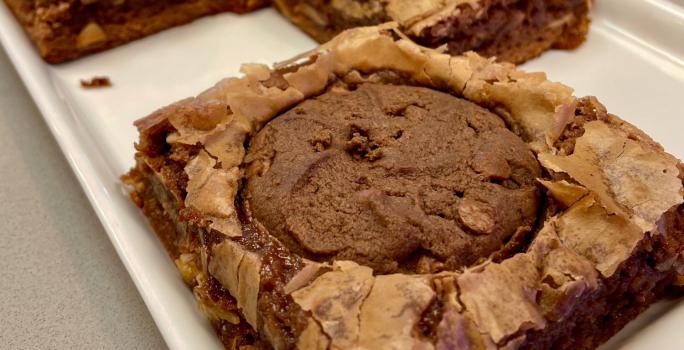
(399, 164)
(67, 29)
(96, 82)
(512, 30)
(376, 194)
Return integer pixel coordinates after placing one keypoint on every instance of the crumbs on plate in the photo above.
(96, 82)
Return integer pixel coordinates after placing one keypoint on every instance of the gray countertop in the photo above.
(63, 286)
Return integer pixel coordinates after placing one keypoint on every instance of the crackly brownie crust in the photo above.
(68, 29)
(607, 243)
(512, 30)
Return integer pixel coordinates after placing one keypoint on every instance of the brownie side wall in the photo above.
(512, 31)
(157, 205)
(634, 287)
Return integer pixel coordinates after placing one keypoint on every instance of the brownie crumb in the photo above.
(96, 82)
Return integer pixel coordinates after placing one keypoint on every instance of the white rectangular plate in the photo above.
(633, 61)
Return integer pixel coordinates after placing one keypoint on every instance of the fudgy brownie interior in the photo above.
(398, 178)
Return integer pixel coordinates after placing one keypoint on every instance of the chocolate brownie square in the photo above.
(376, 194)
(512, 30)
(64, 30)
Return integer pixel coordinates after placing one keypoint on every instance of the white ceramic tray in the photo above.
(633, 61)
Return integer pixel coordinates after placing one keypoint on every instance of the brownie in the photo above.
(511, 30)
(96, 82)
(376, 194)
(64, 30)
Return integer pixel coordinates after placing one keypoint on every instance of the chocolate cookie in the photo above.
(397, 178)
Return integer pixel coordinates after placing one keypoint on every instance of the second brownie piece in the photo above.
(512, 30)
(67, 29)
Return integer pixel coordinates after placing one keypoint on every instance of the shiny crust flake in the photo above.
(611, 190)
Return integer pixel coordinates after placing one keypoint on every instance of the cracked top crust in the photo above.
(599, 221)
